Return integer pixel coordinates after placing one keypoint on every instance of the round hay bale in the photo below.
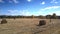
(3, 21)
(42, 22)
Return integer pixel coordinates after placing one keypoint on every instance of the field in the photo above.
(29, 26)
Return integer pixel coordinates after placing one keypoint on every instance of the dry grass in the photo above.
(29, 26)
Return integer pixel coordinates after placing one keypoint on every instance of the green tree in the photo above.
(54, 16)
(32, 16)
(48, 16)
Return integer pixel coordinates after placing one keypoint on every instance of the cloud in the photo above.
(51, 7)
(12, 11)
(1, 1)
(54, 1)
(57, 13)
(19, 12)
(49, 10)
(10, 1)
(25, 12)
(15, 1)
(29, 0)
(43, 3)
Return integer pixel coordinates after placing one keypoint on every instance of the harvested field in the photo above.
(29, 26)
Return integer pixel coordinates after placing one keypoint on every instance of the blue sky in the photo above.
(29, 7)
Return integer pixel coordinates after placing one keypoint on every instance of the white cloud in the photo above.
(19, 12)
(1, 1)
(29, 0)
(54, 1)
(57, 13)
(15, 1)
(43, 3)
(25, 12)
(52, 7)
(49, 10)
(12, 11)
(10, 1)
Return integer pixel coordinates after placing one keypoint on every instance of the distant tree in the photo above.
(48, 16)
(54, 16)
(22, 16)
(32, 16)
(41, 17)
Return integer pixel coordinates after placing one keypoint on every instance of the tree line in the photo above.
(54, 16)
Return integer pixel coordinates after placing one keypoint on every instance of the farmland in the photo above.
(29, 26)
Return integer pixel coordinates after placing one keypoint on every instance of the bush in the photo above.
(42, 22)
(3, 21)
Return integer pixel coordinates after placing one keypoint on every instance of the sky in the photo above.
(29, 7)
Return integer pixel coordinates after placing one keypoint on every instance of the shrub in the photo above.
(42, 22)
(3, 21)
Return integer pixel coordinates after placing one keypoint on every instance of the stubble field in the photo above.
(29, 26)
